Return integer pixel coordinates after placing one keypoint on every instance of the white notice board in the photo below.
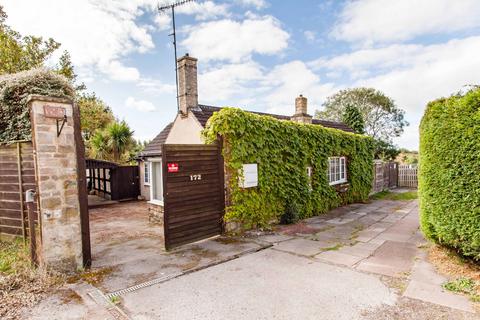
(249, 176)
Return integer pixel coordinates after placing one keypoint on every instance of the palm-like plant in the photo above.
(120, 137)
(98, 146)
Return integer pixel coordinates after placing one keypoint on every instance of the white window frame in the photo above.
(147, 173)
(309, 177)
(337, 170)
(153, 182)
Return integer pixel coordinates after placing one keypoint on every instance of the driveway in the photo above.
(362, 261)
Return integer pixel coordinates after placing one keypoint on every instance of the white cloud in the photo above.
(372, 21)
(287, 81)
(224, 82)
(140, 105)
(310, 35)
(163, 21)
(236, 41)
(155, 86)
(412, 75)
(258, 4)
(204, 10)
(98, 34)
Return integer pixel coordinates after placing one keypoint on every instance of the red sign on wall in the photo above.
(172, 167)
(54, 112)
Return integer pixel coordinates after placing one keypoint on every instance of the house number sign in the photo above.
(195, 177)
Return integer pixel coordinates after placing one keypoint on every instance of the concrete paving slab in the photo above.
(431, 293)
(393, 259)
(266, 285)
(274, 238)
(303, 247)
(340, 220)
(338, 257)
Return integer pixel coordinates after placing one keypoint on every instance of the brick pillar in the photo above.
(57, 183)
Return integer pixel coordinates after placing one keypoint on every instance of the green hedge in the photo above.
(449, 180)
(283, 150)
(14, 91)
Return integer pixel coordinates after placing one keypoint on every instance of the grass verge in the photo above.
(20, 284)
(395, 196)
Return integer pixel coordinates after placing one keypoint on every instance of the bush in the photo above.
(14, 91)
(283, 150)
(449, 178)
(290, 215)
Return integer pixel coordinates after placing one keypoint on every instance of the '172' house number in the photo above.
(195, 177)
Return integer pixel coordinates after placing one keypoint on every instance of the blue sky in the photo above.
(260, 54)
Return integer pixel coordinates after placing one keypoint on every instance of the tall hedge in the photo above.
(14, 91)
(283, 150)
(449, 180)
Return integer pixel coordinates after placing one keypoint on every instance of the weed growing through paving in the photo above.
(463, 285)
(395, 196)
(115, 300)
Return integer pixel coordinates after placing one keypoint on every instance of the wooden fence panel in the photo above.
(17, 175)
(407, 176)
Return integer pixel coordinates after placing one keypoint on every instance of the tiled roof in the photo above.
(203, 113)
(154, 148)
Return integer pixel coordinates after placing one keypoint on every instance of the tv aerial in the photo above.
(164, 9)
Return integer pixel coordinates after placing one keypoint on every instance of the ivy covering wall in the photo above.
(283, 150)
(14, 92)
(449, 179)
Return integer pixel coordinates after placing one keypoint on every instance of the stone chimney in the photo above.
(301, 114)
(187, 84)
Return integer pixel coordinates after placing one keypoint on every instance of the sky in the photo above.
(260, 54)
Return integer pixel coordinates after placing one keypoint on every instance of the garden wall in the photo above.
(283, 150)
(449, 175)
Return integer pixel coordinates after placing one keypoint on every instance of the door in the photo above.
(194, 193)
(125, 182)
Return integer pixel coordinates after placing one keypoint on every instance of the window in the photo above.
(337, 170)
(146, 173)
(309, 177)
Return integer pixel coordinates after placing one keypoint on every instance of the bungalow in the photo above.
(190, 121)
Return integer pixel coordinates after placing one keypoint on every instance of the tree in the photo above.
(66, 69)
(114, 143)
(353, 118)
(385, 150)
(120, 137)
(19, 53)
(94, 114)
(382, 118)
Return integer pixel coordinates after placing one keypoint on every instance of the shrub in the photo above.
(283, 150)
(449, 181)
(290, 215)
(14, 91)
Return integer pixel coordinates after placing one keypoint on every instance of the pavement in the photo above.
(361, 261)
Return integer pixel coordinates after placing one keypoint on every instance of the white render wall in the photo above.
(185, 130)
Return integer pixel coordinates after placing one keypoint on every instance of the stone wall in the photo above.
(57, 181)
(155, 216)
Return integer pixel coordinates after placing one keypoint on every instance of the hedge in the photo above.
(449, 179)
(283, 150)
(14, 91)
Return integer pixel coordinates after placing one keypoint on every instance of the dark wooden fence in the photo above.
(17, 175)
(112, 181)
(385, 176)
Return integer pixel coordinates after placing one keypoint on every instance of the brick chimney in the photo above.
(187, 84)
(301, 114)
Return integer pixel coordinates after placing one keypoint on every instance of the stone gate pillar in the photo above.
(58, 186)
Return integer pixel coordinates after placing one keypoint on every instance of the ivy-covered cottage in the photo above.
(334, 164)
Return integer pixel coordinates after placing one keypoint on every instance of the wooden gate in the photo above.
(125, 182)
(194, 193)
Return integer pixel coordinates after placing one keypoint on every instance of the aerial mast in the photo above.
(164, 9)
